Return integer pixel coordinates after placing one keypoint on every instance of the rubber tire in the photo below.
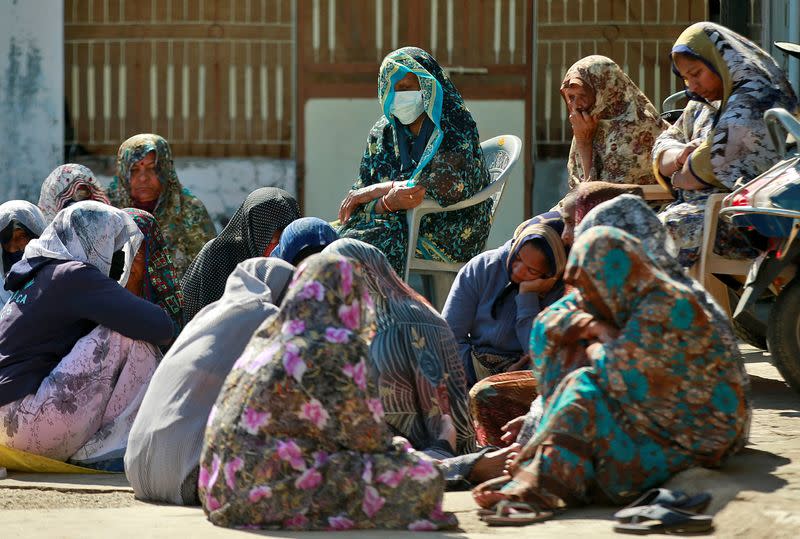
(748, 328)
(783, 334)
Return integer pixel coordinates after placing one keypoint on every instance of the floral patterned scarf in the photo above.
(627, 129)
(296, 439)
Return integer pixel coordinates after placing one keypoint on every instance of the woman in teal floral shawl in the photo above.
(296, 439)
(443, 162)
(647, 391)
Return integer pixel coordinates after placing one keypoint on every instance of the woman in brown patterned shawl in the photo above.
(614, 124)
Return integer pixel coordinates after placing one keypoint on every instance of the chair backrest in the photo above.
(500, 155)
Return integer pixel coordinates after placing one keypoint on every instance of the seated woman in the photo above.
(721, 135)
(254, 230)
(152, 273)
(76, 349)
(497, 294)
(146, 179)
(425, 145)
(163, 456)
(66, 185)
(577, 203)
(302, 238)
(632, 214)
(296, 439)
(655, 394)
(413, 356)
(614, 125)
(20, 222)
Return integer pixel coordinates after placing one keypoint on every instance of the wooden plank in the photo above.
(215, 31)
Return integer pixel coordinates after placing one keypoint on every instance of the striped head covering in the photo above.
(60, 189)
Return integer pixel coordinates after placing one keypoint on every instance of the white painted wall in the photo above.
(31, 95)
(336, 135)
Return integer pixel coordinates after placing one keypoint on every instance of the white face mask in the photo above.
(407, 106)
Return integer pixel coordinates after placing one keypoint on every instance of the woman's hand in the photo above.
(404, 198)
(511, 430)
(538, 286)
(598, 330)
(523, 364)
(685, 180)
(358, 197)
(584, 125)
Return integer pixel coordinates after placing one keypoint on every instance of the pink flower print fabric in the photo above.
(298, 440)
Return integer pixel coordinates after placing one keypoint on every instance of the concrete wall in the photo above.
(336, 134)
(223, 184)
(31, 95)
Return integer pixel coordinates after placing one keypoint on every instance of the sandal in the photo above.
(511, 513)
(663, 519)
(667, 498)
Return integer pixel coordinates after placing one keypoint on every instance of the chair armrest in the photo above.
(656, 192)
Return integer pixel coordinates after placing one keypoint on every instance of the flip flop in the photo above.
(511, 513)
(668, 498)
(662, 519)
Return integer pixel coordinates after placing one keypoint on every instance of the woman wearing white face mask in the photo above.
(425, 144)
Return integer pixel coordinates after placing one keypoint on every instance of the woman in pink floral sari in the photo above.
(297, 438)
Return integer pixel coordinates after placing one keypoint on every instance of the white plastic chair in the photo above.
(500, 154)
(710, 263)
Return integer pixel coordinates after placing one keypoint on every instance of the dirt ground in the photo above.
(756, 494)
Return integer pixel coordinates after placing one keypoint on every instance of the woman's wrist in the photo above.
(385, 208)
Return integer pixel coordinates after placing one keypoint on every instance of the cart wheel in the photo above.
(783, 334)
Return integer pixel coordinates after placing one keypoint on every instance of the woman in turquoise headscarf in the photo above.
(425, 144)
(637, 385)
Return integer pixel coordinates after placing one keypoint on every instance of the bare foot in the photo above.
(447, 430)
(487, 494)
(491, 464)
(488, 498)
(511, 466)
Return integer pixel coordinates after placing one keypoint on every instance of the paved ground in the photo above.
(757, 494)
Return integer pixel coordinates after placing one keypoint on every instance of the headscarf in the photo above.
(668, 366)
(60, 187)
(591, 194)
(298, 420)
(167, 436)
(161, 286)
(737, 144)
(246, 235)
(183, 218)
(304, 235)
(546, 227)
(18, 212)
(628, 125)
(89, 232)
(414, 355)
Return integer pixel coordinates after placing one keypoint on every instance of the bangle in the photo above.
(672, 177)
(385, 205)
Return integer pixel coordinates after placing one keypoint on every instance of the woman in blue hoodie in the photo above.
(76, 348)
